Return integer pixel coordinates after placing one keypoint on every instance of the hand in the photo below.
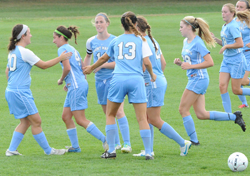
(186, 66)
(177, 61)
(222, 49)
(248, 45)
(153, 78)
(212, 35)
(59, 82)
(97, 69)
(87, 70)
(65, 88)
(65, 56)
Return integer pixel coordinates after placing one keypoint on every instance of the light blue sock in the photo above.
(117, 138)
(73, 137)
(94, 131)
(42, 141)
(221, 116)
(110, 132)
(190, 128)
(226, 102)
(124, 128)
(146, 138)
(15, 141)
(168, 131)
(243, 98)
(152, 136)
(246, 91)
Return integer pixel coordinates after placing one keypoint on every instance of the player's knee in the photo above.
(236, 91)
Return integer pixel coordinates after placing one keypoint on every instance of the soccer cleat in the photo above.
(243, 106)
(72, 149)
(11, 153)
(239, 120)
(105, 146)
(184, 150)
(148, 157)
(57, 151)
(126, 148)
(107, 155)
(143, 153)
(118, 147)
(195, 143)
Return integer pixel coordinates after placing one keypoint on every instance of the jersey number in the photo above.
(12, 62)
(131, 54)
(187, 59)
(78, 59)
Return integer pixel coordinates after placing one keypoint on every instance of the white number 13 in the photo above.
(131, 54)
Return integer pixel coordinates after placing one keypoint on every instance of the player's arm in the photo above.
(208, 62)
(216, 39)
(87, 60)
(7, 73)
(163, 63)
(148, 65)
(98, 63)
(66, 70)
(237, 44)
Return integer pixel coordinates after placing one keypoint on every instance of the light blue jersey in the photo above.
(156, 63)
(229, 33)
(128, 51)
(193, 53)
(20, 62)
(75, 76)
(98, 48)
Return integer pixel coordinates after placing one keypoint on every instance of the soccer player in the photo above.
(97, 45)
(197, 59)
(77, 89)
(156, 91)
(243, 5)
(234, 63)
(130, 51)
(18, 94)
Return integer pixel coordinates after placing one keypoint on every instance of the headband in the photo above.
(189, 23)
(58, 32)
(100, 14)
(24, 30)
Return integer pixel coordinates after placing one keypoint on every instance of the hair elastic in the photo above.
(189, 23)
(58, 32)
(23, 31)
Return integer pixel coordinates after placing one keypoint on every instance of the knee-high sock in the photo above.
(221, 116)
(152, 136)
(168, 131)
(190, 128)
(15, 141)
(117, 138)
(42, 141)
(124, 128)
(243, 98)
(226, 102)
(110, 132)
(94, 131)
(146, 138)
(72, 133)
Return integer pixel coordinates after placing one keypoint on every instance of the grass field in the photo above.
(218, 139)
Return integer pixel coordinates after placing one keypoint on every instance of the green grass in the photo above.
(218, 139)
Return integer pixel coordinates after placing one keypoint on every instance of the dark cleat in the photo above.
(107, 155)
(239, 120)
(148, 157)
(195, 143)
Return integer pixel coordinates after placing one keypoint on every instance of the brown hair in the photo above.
(68, 32)
(203, 29)
(128, 21)
(144, 26)
(13, 39)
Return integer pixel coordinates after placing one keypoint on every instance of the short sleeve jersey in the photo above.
(98, 48)
(75, 76)
(229, 33)
(20, 62)
(193, 53)
(128, 51)
(245, 32)
(155, 59)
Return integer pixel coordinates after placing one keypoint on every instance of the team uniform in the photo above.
(75, 81)
(155, 90)
(103, 76)
(193, 53)
(234, 61)
(128, 74)
(18, 94)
